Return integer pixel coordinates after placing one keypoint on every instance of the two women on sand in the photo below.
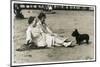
(39, 34)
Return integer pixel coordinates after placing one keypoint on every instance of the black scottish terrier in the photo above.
(80, 37)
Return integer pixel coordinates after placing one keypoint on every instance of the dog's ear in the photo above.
(76, 30)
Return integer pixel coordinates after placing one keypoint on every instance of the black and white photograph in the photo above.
(48, 33)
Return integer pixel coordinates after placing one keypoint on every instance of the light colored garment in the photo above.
(42, 35)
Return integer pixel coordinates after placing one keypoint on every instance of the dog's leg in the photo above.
(87, 41)
(79, 43)
(76, 40)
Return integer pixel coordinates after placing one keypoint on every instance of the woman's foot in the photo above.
(67, 44)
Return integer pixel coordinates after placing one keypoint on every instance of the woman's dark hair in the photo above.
(41, 15)
(31, 18)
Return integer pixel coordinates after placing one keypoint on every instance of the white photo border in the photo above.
(47, 63)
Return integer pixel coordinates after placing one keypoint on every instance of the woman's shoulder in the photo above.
(29, 28)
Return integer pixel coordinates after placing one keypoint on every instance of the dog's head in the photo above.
(75, 33)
